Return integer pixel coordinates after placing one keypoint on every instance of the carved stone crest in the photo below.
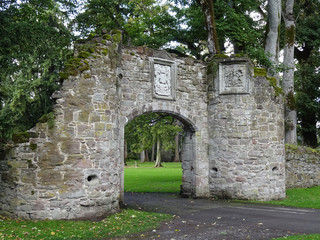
(162, 80)
(233, 78)
(163, 76)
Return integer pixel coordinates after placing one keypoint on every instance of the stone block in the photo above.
(73, 194)
(70, 147)
(28, 176)
(50, 177)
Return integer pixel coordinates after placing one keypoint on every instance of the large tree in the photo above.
(143, 22)
(151, 129)
(34, 44)
(288, 73)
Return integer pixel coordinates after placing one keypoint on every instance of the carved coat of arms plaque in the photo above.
(163, 76)
(233, 78)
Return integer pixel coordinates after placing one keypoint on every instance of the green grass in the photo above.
(301, 237)
(125, 223)
(146, 178)
(299, 197)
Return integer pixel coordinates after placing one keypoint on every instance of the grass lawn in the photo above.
(125, 223)
(146, 178)
(301, 237)
(300, 197)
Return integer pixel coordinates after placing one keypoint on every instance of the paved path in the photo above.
(200, 219)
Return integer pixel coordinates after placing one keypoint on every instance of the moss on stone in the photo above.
(64, 75)
(92, 35)
(291, 147)
(33, 146)
(239, 55)
(117, 38)
(83, 54)
(220, 56)
(273, 83)
(105, 51)
(107, 37)
(20, 137)
(87, 75)
(260, 72)
(301, 149)
(48, 118)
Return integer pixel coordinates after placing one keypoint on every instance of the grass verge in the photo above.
(299, 197)
(301, 237)
(146, 178)
(125, 223)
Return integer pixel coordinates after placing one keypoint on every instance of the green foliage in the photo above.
(307, 77)
(142, 132)
(146, 178)
(124, 223)
(33, 48)
(143, 22)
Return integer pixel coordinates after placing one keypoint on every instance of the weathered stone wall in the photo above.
(72, 170)
(246, 147)
(302, 167)
(75, 169)
(233, 132)
(187, 102)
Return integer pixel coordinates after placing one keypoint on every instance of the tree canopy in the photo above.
(33, 47)
(37, 39)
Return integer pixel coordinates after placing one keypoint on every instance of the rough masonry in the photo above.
(234, 144)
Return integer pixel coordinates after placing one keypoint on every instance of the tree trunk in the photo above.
(152, 153)
(142, 156)
(158, 157)
(146, 154)
(288, 74)
(208, 10)
(176, 150)
(272, 41)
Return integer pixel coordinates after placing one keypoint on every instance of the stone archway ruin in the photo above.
(74, 170)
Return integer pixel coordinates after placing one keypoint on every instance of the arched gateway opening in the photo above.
(187, 149)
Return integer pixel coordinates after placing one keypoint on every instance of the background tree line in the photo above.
(37, 36)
